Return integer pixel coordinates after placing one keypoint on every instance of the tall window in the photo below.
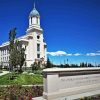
(38, 37)
(38, 55)
(31, 20)
(37, 20)
(38, 47)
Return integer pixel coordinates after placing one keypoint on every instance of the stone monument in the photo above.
(70, 83)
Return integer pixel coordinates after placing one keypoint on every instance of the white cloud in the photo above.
(77, 54)
(68, 54)
(62, 53)
(57, 53)
(93, 54)
(98, 51)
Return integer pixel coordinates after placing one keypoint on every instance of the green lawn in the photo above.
(21, 79)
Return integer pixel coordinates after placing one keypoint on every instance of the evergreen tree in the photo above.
(49, 64)
(12, 51)
(21, 56)
(17, 53)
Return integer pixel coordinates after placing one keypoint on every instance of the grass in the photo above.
(21, 79)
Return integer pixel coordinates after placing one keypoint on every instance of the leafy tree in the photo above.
(35, 66)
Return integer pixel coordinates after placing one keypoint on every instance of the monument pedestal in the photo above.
(70, 83)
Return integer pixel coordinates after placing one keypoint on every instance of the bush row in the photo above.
(16, 92)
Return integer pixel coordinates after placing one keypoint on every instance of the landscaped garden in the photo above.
(18, 92)
(23, 86)
(21, 79)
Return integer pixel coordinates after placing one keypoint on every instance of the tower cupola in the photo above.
(34, 17)
(34, 13)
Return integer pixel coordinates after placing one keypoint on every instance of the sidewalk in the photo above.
(38, 98)
(4, 72)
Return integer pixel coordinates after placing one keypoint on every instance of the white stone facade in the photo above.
(33, 41)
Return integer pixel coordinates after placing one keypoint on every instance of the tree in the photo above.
(35, 66)
(12, 51)
(17, 53)
(21, 58)
(49, 64)
(90, 65)
(20, 55)
(82, 64)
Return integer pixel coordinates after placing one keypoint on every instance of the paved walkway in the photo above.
(38, 98)
(4, 72)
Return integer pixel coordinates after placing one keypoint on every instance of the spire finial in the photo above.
(34, 5)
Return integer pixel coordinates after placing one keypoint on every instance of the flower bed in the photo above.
(16, 92)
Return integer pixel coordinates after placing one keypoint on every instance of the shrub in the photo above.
(16, 92)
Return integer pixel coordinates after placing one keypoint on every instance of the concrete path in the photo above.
(4, 72)
(38, 98)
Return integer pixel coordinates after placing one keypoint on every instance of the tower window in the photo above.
(38, 55)
(37, 20)
(38, 37)
(31, 20)
(38, 47)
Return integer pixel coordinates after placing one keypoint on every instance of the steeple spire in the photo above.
(34, 5)
(34, 12)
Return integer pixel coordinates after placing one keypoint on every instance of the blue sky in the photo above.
(71, 27)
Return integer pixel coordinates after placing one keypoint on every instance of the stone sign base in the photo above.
(70, 83)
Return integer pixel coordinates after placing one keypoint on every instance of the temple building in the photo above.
(32, 41)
